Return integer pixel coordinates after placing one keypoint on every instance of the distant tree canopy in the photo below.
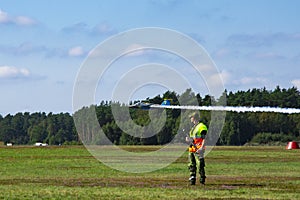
(238, 129)
(26, 128)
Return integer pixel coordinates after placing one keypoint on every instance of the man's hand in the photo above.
(200, 149)
(188, 139)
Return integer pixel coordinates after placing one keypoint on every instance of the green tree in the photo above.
(37, 133)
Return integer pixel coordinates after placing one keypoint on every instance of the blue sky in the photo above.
(254, 44)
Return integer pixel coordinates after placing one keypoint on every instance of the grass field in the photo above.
(72, 173)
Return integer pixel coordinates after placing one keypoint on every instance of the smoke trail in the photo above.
(232, 108)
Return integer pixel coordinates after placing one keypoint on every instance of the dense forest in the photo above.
(239, 128)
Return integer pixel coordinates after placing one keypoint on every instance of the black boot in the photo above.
(192, 180)
(202, 179)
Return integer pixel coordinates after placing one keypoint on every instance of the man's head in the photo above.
(195, 117)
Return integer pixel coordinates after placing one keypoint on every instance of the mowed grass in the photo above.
(71, 172)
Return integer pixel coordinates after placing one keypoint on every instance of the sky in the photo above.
(43, 44)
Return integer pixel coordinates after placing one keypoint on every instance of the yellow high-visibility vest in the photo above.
(197, 134)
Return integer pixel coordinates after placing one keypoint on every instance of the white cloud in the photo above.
(250, 80)
(225, 76)
(216, 82)
(76, 51)
(76, 28)
(220, 53)
(24, 21)
(103, 29)
(4, 17)
(132, 50)
(219, 78)
(13, 72)
(17, 20)
(296, 83)
(207, 68)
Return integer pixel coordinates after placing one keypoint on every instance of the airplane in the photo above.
(141, 105)
(147, 106)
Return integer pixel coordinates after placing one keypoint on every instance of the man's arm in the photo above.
(203, 135)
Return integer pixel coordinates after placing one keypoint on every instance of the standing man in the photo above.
(196, 140)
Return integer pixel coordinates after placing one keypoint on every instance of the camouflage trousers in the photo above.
(196, 161)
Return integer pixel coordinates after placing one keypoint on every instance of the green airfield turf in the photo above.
(71, 172)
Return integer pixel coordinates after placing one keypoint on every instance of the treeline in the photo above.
(26, 128)
(238, 129)
(262, 128)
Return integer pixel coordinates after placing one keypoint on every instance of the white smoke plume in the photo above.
(232, 108)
